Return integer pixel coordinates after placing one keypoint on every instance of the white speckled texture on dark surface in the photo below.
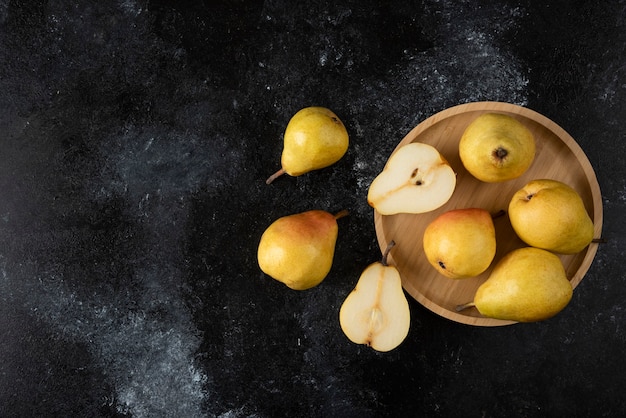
(135, 139)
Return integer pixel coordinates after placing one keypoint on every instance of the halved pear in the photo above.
(416, 179)
(376, 313)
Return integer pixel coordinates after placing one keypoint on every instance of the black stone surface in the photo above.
(135, 138)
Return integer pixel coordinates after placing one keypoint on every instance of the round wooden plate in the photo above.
(558, 157)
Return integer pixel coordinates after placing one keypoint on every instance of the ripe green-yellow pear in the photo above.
(551, 215)
(376, 313)
(461, 243)
(496, 147)
(314, 138)
(298, 250)
(527, 285)
(416, 179)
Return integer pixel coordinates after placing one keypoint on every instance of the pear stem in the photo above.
(460, 308)
(498, 214)
(598, 240)
(391, 244)
(275, 176)
(341, 214)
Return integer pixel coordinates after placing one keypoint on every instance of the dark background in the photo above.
(135, 138)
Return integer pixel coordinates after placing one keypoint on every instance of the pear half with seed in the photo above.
(376, 313)
(416, 179)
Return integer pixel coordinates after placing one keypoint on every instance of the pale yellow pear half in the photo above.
(376, 313)
(416, 179)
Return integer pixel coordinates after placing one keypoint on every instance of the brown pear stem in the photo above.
(599, 240)
(341, 214)
(460, 308)
(275, 176)
(498, 214)
(391, 244)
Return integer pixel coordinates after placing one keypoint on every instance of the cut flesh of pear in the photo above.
(416, 179)
(376, 313)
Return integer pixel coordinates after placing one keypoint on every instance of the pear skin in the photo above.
(298, 250)
(314, 138)
(527, 285)
(376, 313)
(496, 147)
(461, 243)
(551, 215)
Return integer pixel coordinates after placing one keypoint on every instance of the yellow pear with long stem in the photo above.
(376, 313)
(527, 285)
(314, 138)
(298, 250)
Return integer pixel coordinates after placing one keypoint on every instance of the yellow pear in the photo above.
(298, 250)
(461, 243)
(551, 215)
(376, 313)
(416, 179)
(529, 284)
(496, 147)
(314, 138)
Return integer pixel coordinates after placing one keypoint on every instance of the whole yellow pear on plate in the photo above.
(527, 285)
(376, 313)
(461, 243)
(416, 179)
(496, 147)
(298, 250)
(314, 138)
(551, 215)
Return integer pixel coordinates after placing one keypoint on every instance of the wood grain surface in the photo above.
(558, 157)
